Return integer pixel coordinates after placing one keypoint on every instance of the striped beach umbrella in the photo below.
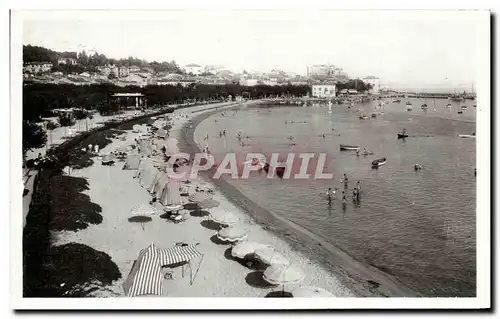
(223, 217)
(243, 249)
(199, 197)
(232, 234)
(311, 292)
(270, 256)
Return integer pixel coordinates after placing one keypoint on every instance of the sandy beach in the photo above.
(116, 191)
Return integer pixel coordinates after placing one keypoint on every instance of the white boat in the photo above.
(467, 135)
(329, 107)
(449, 106)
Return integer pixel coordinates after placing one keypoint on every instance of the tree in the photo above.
(33, 136)
(65, 119)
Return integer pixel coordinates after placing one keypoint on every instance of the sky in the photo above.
(414, 49)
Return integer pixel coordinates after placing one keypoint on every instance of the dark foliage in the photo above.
(33, 136)
(70, 208)
(81, 114)
(51, 125)
(76, 270)
(65, 119)
(354, 84)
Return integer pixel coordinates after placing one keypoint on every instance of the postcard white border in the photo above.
(483, 214)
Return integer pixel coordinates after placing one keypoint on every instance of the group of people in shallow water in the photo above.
(356, 192)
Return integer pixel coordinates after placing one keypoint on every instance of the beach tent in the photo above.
(132, 161)
(147, 173)
(145, 278)
(160, 185)
(171, 194)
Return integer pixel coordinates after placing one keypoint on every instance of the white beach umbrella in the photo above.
(208, 203)
(232, 234)
(223, 217)
(241, 250)
(270, 256)
(282, 274)
(311, 292)
(143, 210)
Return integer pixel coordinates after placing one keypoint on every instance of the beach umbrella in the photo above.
(208, 203)
(108, 158)
(140, 219)
(311, 292)
(282, 274)
(200, 197)
(142, 214)
(223, 217)
(245, 248)
(232, 234)
(270, 256)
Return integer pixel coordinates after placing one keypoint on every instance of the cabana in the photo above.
(146, 279)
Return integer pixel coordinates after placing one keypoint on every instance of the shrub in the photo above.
(65, 119)
(51, 125)
(80, 114)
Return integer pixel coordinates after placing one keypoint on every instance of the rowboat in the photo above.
(374, 115)
(460, 112)
(464, 107)
(349, 147)
(363, 117)
(379, 162)
(402, 135)
(424, 106)
(467, 135)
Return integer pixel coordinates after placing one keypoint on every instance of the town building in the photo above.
(248, 82)
(374, 82)
(123, 71)
(37, 67)
(324, 90)
(67, 61)
(134, 69)
(195, 69)
(214, 69)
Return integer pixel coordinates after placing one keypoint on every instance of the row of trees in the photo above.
(89, 62)
(40, 99)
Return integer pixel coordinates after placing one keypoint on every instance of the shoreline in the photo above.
(362, 280)
(219, 275)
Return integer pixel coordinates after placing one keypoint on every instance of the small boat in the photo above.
(374, 115)
(367, 153)
(344, 147)
(460, 112)
(474, 105)
(401, 135)
(424, 106)
(363, 117)
(396, 101)
(418, 167)
(379, 162)
(408, 103)
(464, 107)
(473, 135)
(449, 106)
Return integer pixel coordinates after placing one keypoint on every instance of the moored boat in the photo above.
(379, 162)
(464, 107)
(363, 117)
(424, 106)
(473, 135)
(374, 115)
(400, 135)
(460, 112)
(344, 147)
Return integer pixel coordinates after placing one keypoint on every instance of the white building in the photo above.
(248, 82)
(70, 61)
(375, 82)
(193, 68)
(38, 67)
(324, 90)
